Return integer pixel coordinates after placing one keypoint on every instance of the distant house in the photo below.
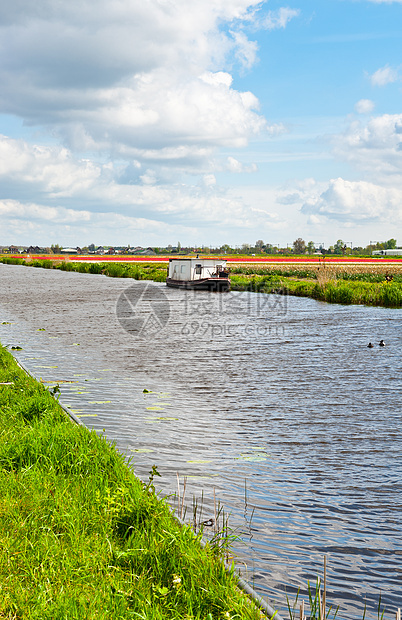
(69, 250)
(14, 249)
(35, 249)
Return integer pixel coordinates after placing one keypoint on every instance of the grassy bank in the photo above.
(143, 271)
(358, 284)
(371, 294)
(80, 536)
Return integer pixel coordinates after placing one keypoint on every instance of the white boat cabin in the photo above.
(190, 269)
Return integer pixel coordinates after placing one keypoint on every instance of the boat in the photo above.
(207, 274)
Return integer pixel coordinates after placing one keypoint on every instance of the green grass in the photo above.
(146, 271)
(81, 537)
(388, 294)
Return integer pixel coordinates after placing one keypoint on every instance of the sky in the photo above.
(204, 122)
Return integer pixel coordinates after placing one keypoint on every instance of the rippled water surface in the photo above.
(276, 403)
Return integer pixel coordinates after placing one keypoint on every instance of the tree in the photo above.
(299, 246)
(390, 244)
(339, 247)
(311, 247)
(56, 249)
(259, 245)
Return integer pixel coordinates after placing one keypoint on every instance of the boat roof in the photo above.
(212, 260)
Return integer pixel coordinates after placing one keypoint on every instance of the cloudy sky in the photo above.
(150, 122)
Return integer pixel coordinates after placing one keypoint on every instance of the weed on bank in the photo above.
(81, 537)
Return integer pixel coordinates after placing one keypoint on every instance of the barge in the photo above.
(207, 274)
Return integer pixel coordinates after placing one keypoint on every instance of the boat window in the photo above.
(198, 269)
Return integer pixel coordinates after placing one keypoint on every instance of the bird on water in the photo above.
(382, 343)
(370, 345)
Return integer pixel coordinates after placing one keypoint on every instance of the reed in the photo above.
(316, 605)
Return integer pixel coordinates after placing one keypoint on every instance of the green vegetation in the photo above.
(344, 284)
(388, 294)
(81, 537)
(143, 271)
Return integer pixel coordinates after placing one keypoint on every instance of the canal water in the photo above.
(273, 404)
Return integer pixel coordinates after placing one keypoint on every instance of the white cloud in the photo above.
(107, 200)
(58, 215)
(130, 74)
(356, 202)
(364, 106)
(52, 169)
(246, 50)
(235, 166)
(385, 75)
(375, 148)
(279, 18)
(141, 97)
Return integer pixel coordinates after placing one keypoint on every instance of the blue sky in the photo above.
(210, 122)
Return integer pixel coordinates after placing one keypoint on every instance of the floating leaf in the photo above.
(155, 408)
(168, 419)
(253, 457)
(41, 329)
(75, 344)
(142, 450)
(16, 348)
(6, 323)
(46, 366)
(145, 391)
(161, 419)
(200, 461)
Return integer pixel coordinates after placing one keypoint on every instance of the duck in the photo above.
(382, 343)
(370, 345)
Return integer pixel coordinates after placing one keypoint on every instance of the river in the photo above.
(272, 403)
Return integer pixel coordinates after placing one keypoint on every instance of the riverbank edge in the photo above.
(386, 294)
(73, 512)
